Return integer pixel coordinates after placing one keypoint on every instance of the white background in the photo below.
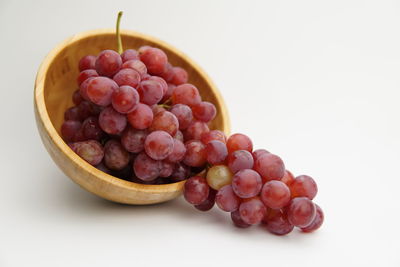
(316, 82)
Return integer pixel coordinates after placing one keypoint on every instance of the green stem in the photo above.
(119, 41)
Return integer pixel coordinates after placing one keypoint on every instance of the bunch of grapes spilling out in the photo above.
(254, 187)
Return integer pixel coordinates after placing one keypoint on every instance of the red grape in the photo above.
(184, 115)
(141, 117)
(216, 152)
(133, 140)
(146, 168)
(317, 222)
(91, 151)
(76, 97)
(150, 91)
(154, 59)
(111, 121)
(127, 77)
(108, 63)
(69, 129)
(178, 153)
(124, 99)
(204, 111)
(240, 160)
(277, 223)
(72, 114)
(226, 199)
(163, 83)
(166, 169)
(207, 204)
(301, 212)
(180, 76)
(137, 65)
(237, 220)
(275, 194)
(288, 178)
(87, 109)
(168, 72)
(79, 136)
(270, 167)
(304, 186)
(195, 130)
(91, 129)
(258, 153)
(158, 145)
(83, 89)
(195, 154)
(165, 121)
(115, 156)
(186, 94)
(181, 172)
(85, 75)
(100, 90)
(239, 142)
(87, 62)
(252, 210)
(196, 190)
(206, 137)
(129, 54)
(246, 183)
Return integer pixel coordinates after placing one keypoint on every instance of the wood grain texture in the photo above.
(55, 83)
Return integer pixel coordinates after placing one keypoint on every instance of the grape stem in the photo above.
(119, 41)
(164, 106)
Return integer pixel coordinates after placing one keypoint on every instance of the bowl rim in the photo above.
(64, 148)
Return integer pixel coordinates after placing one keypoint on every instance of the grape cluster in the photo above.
(136, 117)
(253, 186)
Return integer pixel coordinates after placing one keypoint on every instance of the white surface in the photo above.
(316, 82)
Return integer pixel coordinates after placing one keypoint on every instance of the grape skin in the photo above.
(150, 91)
(127, 77)
(91, 151)
(275, 194)
(196, 190)
(111, 121)
(180, 76)
(141, 117)
(226, 199)
(304, 186)
(237, 220)
(204, 111)
(108, 63)
(195, 154)
(277, 223)
(240, 160)
(165, 121)
(155, 59)
(195, 130)
(184, 115)
(87, 62)
(207, 204)
(100, 89)
(129, 54)
(137, 65)
(270, 167)
(186, 94)
(133, 140)
(146, 168)
(252, 211)
(216, 152)
(301, 212)
(219, 176)
(115, 156)
(178, 152)
(124, 99)
(246, 183)
(239, 142)
(159, 145)
(317, 222)
(69, 129)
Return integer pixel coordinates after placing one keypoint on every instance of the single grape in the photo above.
(150, 91)
(288, 178)
(195, 154)
(137, 65)
(115, 156)
(252, 210)
(195, 130)
(301, 212)
(180, 76)
(100, 90)
(133, 140)
(111, 121)
(237, 220)
(158, 145)
(275, 194)
(184, 115)
(219, 176)
(83, 75)
(141, 117)
(169, 92)
(79, 136)
(127, 77)
(277, 223)
(204, 111)
(270, 167)
(91, 129)
(181, 172)
(146, 168)
(239, 142)
(72, 114)
(87, 62)
(207, 204)
(155, 59)
(69, 129)
(304, 186)
(91, 151)
(165, 121)
(257, 153)
(216, 152)
(196, 190)
(108, 63)
(246, 183)
(129, 54)
(83, 89)
(186, 94)
(124, 99)
(166, 169)
(240, 160)
(317, 222)
(206, 137)
(226, 199)
(163, 83)
(178, 152)
(168, 72)
(77, 98)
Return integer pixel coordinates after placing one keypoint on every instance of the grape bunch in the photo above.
(253, 186)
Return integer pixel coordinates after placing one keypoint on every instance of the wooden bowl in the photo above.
(55, 83)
